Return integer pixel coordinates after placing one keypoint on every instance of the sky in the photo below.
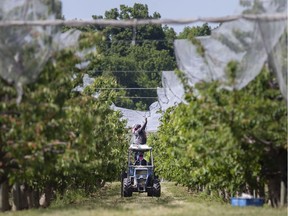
(173, 9)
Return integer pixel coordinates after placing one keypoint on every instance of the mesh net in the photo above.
(171, 94)
(137, 117)
(25, 50)
(251, 43)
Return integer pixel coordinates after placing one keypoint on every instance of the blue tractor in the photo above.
(139, 175)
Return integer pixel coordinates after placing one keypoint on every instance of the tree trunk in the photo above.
(47, 197)
(19, 195)
(275, 171)
(16, 197)
(4, 197)
(33, 198)
(283, 194)
(274, 191)
(261, 191)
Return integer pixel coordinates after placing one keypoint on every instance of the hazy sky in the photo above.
(84, 9)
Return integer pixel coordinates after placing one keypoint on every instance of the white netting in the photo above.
(25, 50)
(251, 43)
(137, 117)
(279, 62)
(171, 94)
(134, 117)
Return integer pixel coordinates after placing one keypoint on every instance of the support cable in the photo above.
(132, 22)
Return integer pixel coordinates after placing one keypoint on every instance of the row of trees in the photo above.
(57, 139)
(227, 142)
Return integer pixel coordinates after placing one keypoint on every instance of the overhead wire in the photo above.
(136, 22)
(142, 40)
(128, 71)
(126, 88)
(137, 97)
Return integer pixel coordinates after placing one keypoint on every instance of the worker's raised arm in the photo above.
(144, 125)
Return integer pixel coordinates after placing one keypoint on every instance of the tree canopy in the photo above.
(57, 137)
(233, 141)
(134, 55)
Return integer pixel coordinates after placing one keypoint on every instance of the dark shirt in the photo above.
(141, 162)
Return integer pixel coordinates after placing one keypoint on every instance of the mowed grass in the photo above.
(174, 200)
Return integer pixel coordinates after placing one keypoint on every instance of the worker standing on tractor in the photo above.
(139, 133)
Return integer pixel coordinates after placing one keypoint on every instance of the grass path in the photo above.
(174, 201)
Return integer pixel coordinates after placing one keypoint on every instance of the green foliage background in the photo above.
(220, 140)
(225, 140)
(59, 137)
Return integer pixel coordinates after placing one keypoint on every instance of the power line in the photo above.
(124, 71)
(140, 41)
(126, 88)
(138, 97)
(136, 22)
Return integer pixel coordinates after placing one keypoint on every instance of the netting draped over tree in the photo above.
(25, 50)
(170, 94)
(249, 43)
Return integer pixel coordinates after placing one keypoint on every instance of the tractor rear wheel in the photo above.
(123, 175)
(156, 188)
